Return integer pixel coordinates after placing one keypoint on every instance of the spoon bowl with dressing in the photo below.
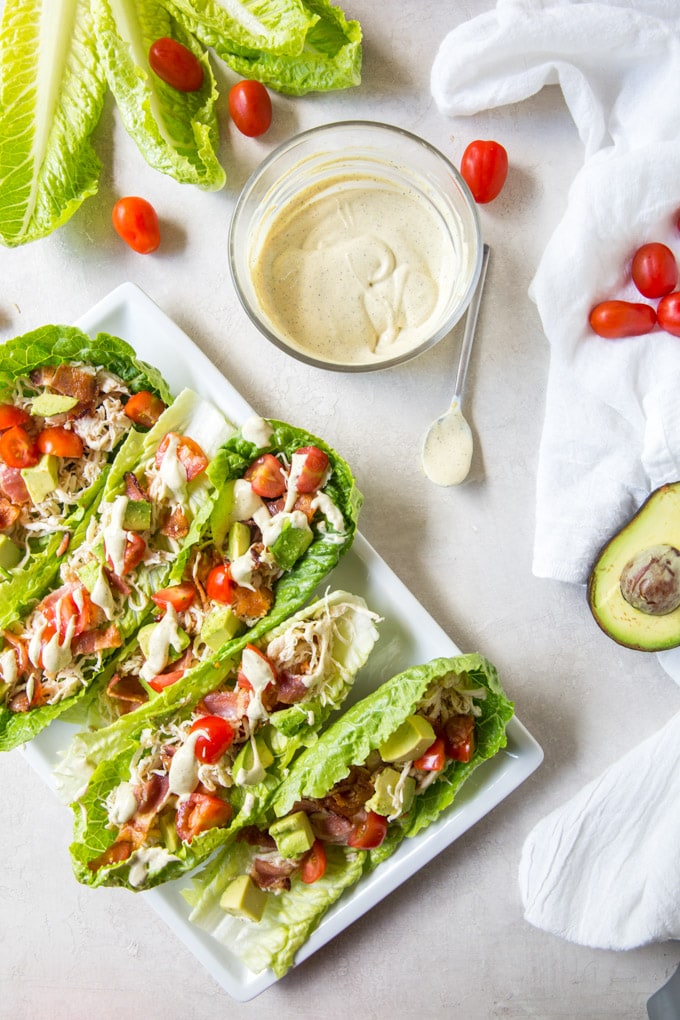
(355, 246)
(448, 445)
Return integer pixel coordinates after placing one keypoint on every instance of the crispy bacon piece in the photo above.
(303, 502)
(13, 486)
(20, 702)
(115, 854)
(272, 874)
(151, 796)
(329, 827)
(254, 836)
(350, 794)
(75, 382)
(290, 689)
(176, 524)
(8, 514)
(96, 640)
(127, 691)
(133, 488)
(230, 705)
(252, 605)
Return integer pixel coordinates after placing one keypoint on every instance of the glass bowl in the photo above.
(355, 246)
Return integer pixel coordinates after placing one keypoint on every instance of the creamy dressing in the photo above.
(102, 596)
(147, 861)
(256, 773)
(271, 527)
(447, 450)
(257, 431)
(115, 538)
(164, 635)
(356, 270)
(122, 804)
(246, 502)
(183, 774)
(242, 569)
(172, 472)
(330, 511)
(8, 666)
(259, 673)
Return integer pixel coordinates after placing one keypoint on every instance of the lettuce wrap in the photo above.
(171, 790)
(384, 771)
(58, 377)
(155, 504)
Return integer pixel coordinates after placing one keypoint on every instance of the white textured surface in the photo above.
(452, 942)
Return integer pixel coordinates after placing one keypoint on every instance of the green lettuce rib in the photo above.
(51, 96)
(176, 132)
(280, 26)
(290, 918)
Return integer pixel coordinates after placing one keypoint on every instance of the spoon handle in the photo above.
(470, 326)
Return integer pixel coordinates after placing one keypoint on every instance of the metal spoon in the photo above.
(447, 447)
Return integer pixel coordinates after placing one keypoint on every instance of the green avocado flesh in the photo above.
(657, 523)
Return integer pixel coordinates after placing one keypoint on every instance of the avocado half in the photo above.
(657, 523)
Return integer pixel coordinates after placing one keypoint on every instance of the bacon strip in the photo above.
(128, 691)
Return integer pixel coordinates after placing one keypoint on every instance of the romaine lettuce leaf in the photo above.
(276, 26)
(176, 132)
(51, 96)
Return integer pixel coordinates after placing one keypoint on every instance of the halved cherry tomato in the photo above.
(60, 441)
(250, 107)
(189, 454)
(17, 449)
(144, 408)
(434, 758)
(668, 313)
(163, 680)
(179, 596)
(242, 679)
(136, 221)
(67, 606)
(368, 833)
(654, 270)
(484, 168)
(176, 65)
(199, 812)
(266, 475)
(313, 864)
(459, 737)
(135, 547)
(219, 585)
(216, 737)
(616, 319)
(313, 470)
(11, 415)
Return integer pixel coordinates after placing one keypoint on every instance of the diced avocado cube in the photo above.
(293, 834)
(220, 517)
(137, 516)
(220, 625)
(244, 899)
(389, 798)
(144, 637)
(409, 741)
(290, 545)
(245, 763)
(169, 831)
(48, 404)
(10, 554)
(238, 540)
(42, 479)
(88, 573)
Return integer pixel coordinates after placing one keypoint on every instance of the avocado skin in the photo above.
(657, 522)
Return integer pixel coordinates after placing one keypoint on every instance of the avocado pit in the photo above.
(650, 581)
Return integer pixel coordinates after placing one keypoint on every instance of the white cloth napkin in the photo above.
(604, 869)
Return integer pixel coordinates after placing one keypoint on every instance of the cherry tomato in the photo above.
(267, 477)
(216, 737)
(459, 736)
(219, 585)
(60, 441)
(135, 547)
(11, 415)
(176, 65)
(163, 680)
(668, 313)
(250, 107)
(434, 758)
(144, 408)
(313, 864)
(136, 221)
(17, 449)
(179, 596)
(189, 454)
(243, 680)
(199, 812)
(313, 470)
(368, 833)
(616, 319)
(484, 168)
(654, 269)
(68, 607)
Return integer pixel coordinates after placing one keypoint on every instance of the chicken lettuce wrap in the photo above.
(154, 506)
(165, 796)
(67, 401)
(383, 772)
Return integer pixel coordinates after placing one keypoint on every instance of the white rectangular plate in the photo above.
(408, 636)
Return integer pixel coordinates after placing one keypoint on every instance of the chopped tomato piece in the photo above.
(313, 865)
(163, 680)
(189, 454)
(219, 585)
(11, 415)
(144, 408)
(179, 596)
(65, 604)
(135, 547)
(60, 441)
(313, 470)
(459, 734)
(434, 758)
(216, 737)
(267, 476)
(368, 832)
(17, 449)
(199, 812)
